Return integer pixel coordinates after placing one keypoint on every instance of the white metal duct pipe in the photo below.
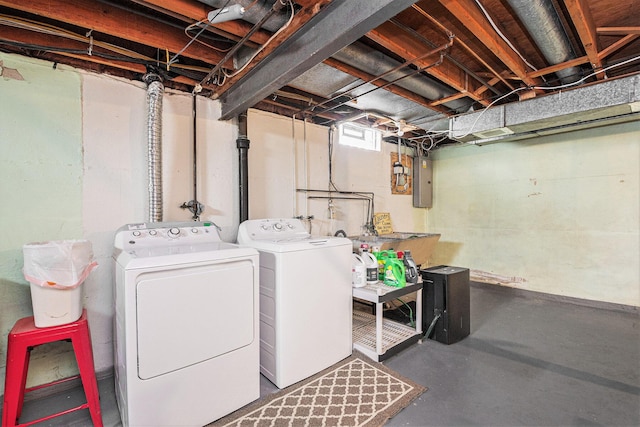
(542, 21)
(155, 91)
(254, 11)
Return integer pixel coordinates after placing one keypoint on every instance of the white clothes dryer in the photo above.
(186, 324)
(305, 298)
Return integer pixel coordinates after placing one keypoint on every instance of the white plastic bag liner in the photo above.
(58, 264)
(56, 269)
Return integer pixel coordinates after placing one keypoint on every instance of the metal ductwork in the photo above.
(542, 21)
(254, 11)
(364, 58)
(155, 91)
(612, 101)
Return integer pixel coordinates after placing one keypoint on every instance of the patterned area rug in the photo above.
(354, 392)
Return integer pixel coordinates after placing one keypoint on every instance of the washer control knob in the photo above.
(289, 225)
(277, 226)
(194, 230)
(265, 227)
(137, 233)
(174, 231)
(153, 232)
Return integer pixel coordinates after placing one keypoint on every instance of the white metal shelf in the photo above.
(379, 338)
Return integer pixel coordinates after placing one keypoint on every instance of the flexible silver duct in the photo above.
(542, 21)
(155, 91)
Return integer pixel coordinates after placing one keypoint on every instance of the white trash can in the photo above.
(55, 271)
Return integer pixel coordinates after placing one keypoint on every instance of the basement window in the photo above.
(359, 136)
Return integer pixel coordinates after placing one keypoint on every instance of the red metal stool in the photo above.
(22, 339)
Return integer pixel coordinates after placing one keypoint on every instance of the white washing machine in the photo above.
(186, 324)
(305, 298)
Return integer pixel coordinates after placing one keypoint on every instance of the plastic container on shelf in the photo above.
(371, 262)
(394, 274)
(358, 272)
(56, 271)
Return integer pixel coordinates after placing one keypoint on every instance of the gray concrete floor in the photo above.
(530, 360)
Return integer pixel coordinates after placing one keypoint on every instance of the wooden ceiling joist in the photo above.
(390, 88)
(192, 12)
(467, 12)
(583, 22)
(408, 47)
(118, 23)
(617, 31)
(609, 50)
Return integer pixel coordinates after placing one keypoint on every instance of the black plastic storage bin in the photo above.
(446, 293)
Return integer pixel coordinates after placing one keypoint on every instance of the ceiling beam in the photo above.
(583, 22)
(192, 11)
(407, 46)
(467, 12)
(339, 24)
(561, 66)
(618, 45)
(338, 65)
(117, 22)
(617, 31)
(462, 43)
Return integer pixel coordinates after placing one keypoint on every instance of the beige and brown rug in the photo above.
(354, 392)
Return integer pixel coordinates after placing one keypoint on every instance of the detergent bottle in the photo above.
(371, 263)
(358, 272)
(382, 257)
(410, 267)
(394, 273)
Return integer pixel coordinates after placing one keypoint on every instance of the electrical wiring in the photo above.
(27, 24)
(195, 38)
(544, 88)
(502, 36)
(183, 70)
(582, 80)
(175, 57)
(261, 48)
(217, 69)
(121, 54)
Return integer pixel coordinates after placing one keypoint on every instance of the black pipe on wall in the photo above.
(243, 150)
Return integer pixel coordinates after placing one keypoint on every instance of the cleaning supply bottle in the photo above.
(382, 257)
(358, 272)
(371, 264)
(410, 267)
(394, 273)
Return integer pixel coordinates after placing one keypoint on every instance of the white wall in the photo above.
(283, 159)
(73, 153)
(558, 214)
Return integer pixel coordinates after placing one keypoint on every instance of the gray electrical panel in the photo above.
(422, 186)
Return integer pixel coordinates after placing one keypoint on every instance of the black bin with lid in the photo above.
(446, 303)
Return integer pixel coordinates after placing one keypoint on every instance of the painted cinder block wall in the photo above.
(557, 214)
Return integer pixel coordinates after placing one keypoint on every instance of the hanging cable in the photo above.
(265, 43)
(502, 36)
(549, 88)
(218, 68)
(175, 57)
